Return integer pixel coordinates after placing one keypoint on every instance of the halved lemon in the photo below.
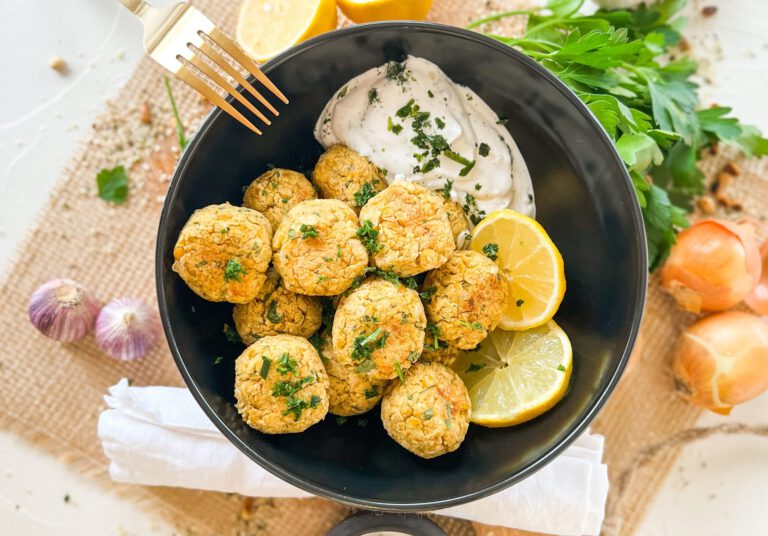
(515, 376)
(530, 262)
(267, 27)
(373, 10)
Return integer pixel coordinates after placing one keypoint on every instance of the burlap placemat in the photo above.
(51, 394)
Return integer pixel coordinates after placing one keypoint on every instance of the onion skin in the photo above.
(713, 266)
(757, 300)
(63, 310)
(127, 328)
(722, 361)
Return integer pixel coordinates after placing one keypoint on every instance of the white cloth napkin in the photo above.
(159, 436)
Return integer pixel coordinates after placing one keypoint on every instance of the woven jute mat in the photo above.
(51, 394)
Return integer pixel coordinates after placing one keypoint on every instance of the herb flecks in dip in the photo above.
(421, 126)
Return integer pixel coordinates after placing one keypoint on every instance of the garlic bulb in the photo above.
(722, 360)
(63, 310)
(713, 265)
(127, 328)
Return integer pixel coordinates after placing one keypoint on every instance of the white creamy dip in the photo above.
(380, 114)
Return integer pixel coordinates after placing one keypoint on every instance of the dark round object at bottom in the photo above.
(375, 522)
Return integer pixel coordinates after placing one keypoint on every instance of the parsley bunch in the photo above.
(615, 62)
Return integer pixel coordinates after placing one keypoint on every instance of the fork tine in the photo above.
(233, 49)
(186, 75)
(211, 73)
(209, 51)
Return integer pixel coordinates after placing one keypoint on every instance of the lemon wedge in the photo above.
(267, 27)
(530, 263)
(373, 10)
(515, 376)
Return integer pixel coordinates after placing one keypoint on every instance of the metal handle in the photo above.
(137, 7)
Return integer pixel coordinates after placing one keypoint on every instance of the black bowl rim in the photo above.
(575, 429)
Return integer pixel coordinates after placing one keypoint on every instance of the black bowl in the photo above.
(584, 199)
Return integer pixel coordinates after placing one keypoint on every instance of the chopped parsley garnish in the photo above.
(265, 364)
(364, 345)
(287, 365)
(396, 72)
(410, 282)
(491, 250)
(406, 110)
(484, 149)
(472, 210)
(431, 95)
(427, 294)
(369, 237)
(388, 275)
(343, 92)
(448, 414)
(399, 371)
(478, 186)
(322, 278)
(440, 123)
(393, 127)
(477, 326)
(413, 357)
(231, 335)
(447, 189)
(364, 194)
(218, 360)
(520, 302)
(272, 314)
(474, 367)
(295, 406)
(428, 414)
(341, 420)
(113, 184)
(373, 392)
(234, 270)
(373, 96)
(308, 231)
(433, 331)
(561, 368)
(468, 164)
(503, 121)
(318, 341)
(362, 422)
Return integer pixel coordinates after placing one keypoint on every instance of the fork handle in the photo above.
(137, 7)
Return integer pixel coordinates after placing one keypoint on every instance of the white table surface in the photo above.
(719, 486)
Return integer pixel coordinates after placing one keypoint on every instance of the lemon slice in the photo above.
(373, 10)
(515, 376)
(530, 263)
(267, 27)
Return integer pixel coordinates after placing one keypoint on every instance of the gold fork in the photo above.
(181, 39)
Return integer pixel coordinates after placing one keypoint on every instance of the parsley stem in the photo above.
(183, 141)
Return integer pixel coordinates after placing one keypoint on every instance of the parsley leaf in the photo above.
(233, 270)
(272, 314)
(369, 237)
(491, 250)
(364, 194)
(113, 184)
(308, 231)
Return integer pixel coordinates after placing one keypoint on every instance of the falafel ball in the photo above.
(413, 231)
(316, 248)
(443, 353)
(344, 174)
(276, 192)
(281, 386)
(428, 414)
(349, 392)
(277, 310)
(223, 252)
(468, 301)
(378, 329)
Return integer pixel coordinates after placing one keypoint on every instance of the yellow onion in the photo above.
(713, 265)
(757, 300)
(722, 360)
